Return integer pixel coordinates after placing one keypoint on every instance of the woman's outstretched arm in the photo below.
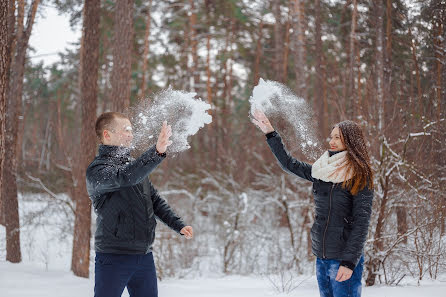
(274, 140)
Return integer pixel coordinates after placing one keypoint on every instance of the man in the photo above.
(126, 204)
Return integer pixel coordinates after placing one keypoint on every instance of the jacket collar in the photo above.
(332, 153)
(120, 153)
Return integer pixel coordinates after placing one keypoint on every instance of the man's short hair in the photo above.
(105, 122)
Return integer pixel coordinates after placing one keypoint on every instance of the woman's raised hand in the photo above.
(261, 121)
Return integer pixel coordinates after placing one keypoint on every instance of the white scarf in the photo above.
(331, 169)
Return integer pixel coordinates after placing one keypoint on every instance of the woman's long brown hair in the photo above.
(357, 156)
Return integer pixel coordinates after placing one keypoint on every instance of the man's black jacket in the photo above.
(342, 220)
(126, 202)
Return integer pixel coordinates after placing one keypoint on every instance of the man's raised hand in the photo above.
(163, 139)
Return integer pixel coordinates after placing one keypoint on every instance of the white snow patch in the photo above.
(180, 109)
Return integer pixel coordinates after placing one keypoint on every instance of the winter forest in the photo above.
(380, 63)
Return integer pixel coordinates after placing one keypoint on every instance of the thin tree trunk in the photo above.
(351, 79)
(122, 55)
(231, 64)
(6, 10)
(388, 57)
(278, 41)
(286, 51)
(439, 60)
(195, 78)
(142, 89)
(417, 67)
(13, 111)
(320, 97)
(379, 65)
(89, 66)
(373, 264)
(358, 105)
(299, 48)
(225, 64)
(258, 54)
(208, 56)
(288, 220)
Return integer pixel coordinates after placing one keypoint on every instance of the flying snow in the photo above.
(277, 100)
(180, 109)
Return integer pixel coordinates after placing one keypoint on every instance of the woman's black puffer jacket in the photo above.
(342, 219)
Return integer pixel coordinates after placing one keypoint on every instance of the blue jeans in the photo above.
(326, 271)
(113, 272)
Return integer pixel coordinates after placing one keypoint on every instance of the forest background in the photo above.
(380, 63)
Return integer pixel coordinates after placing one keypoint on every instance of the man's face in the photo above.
(120, 133)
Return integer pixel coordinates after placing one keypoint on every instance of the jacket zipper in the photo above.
(326, 226)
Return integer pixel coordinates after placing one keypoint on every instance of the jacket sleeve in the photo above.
(103, 177)
(362, 210)
(164, 212)
(287, 162)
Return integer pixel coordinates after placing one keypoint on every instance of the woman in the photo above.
(343, 192)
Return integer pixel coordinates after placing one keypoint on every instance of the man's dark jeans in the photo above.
(113, 272)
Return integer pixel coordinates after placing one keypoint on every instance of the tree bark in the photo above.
(122, 55)
(320, 95)
(89, 66)
(195, 78)
(142, 89)
(13, 110)
(6, 11)
(351, 79)
(258, 54)
(286, 51)
(299, 48)
(379, 65)
(373, 264)
(278, 41)
(417, 68)
(439, 58)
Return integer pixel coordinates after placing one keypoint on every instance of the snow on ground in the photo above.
(33, 280)
(45, 270)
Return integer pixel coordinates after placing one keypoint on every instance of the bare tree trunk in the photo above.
(358, 103)
(401, 214)
(142, 89)
(208, 56)
(400, 210)
(416, 66)
(6, 10)
(278, 41)
(373, 264)
(439, 60)
(231, 66)
(13, 110)
(89, 89)
(379, 65)
(122, 55)
(320, 97)
(299, 47)
(195, 78)
(286, 50)
(288, 220)
(351, 78)
(258, 54)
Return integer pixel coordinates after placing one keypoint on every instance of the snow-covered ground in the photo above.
(34, 281)
(45, 269)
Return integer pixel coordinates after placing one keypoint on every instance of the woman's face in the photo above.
(336, 144)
